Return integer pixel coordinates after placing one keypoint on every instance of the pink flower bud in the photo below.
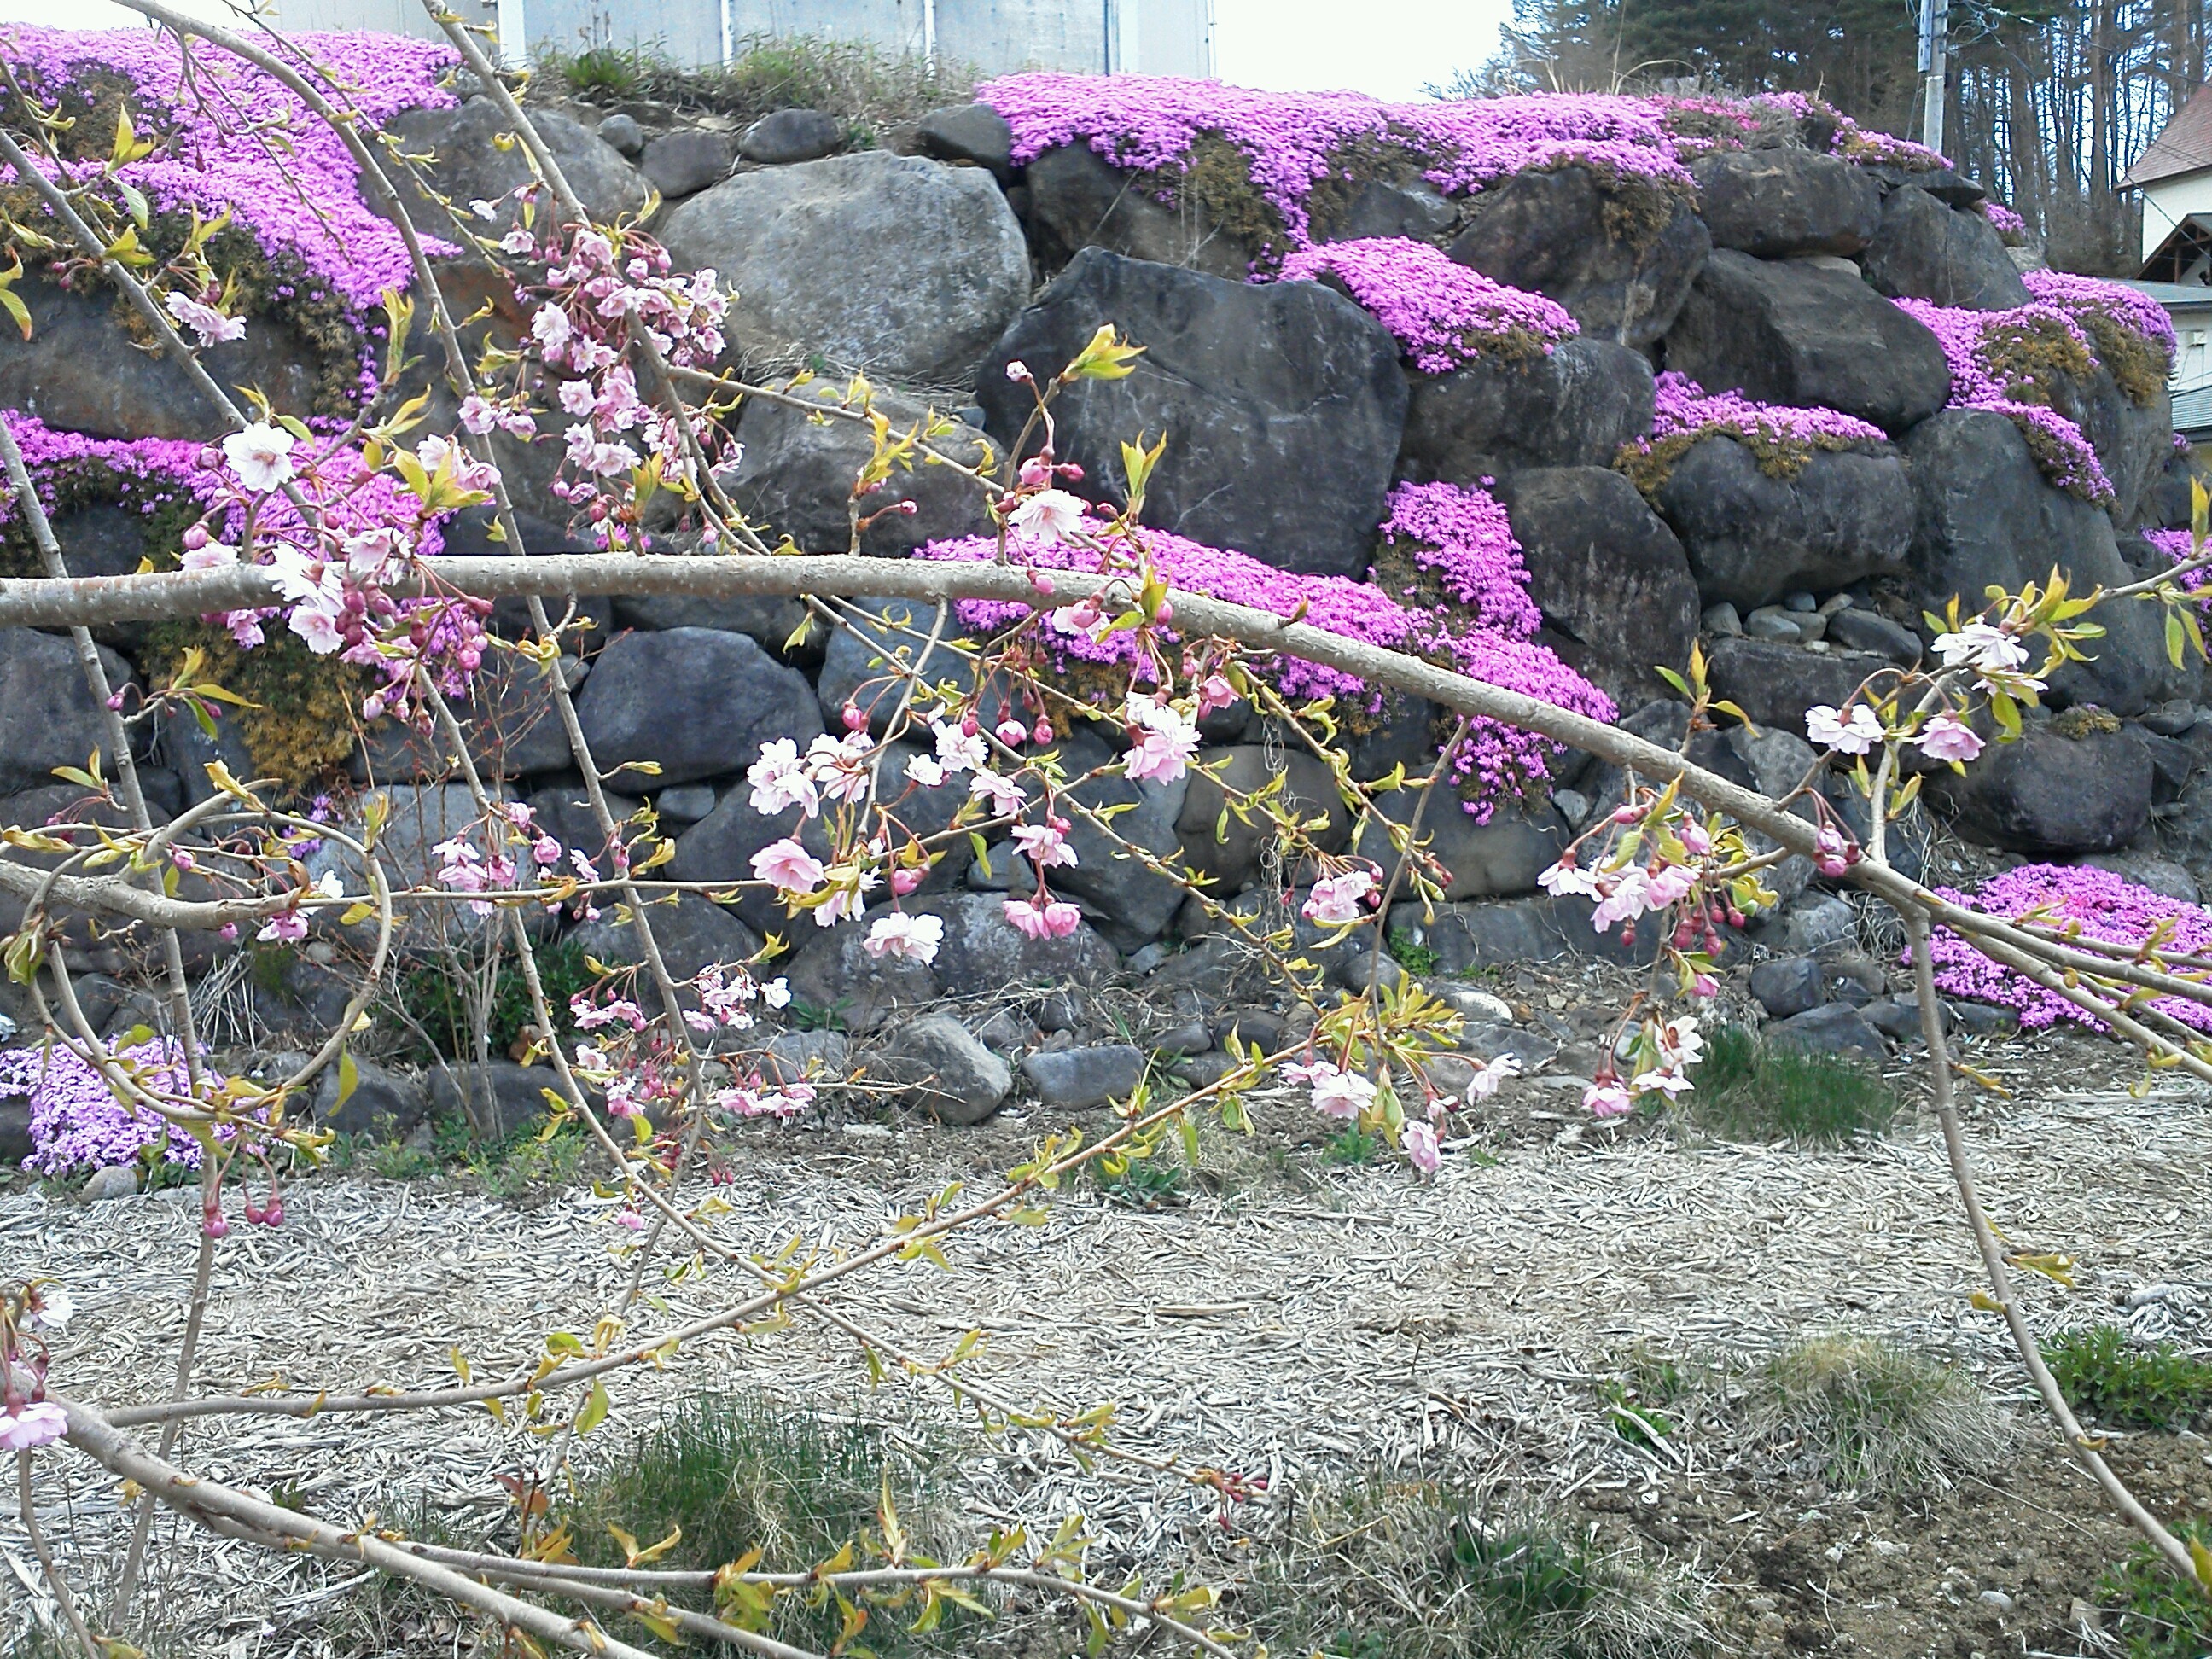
(1041, 583)
(195, 538)
(116, 700)
(1043, 732)
(855, 719)
(969, 726)
(213, 1225)
(1012, 732)
(905, 881)
(183, 860)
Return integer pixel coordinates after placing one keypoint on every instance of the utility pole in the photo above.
(1934, 47)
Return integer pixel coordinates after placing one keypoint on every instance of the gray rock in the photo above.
(1815, 925)
(1204, 1071)
(1129, 903)
(974, 133)
(1215, 843)
(766, 619)
(1776, 203)
(82, 371)
(2161, 876)
(1775, 684)
(687, 803)
(470, 167)
(1751, 537)
(1539, 928)
(1609, 576)
(1896, 1018)
(1791, 334)
(1572, 406)
(1249, 1025)
(1924, 250)
(1789, 986)
(116, 1181)
(383, 1103)
(799, 1056)
(1486, 1040)
(1282, 405)
(789, 136)
(48, 716)
(1722, 621)
(1191, 1038)
(1075, 1078)
(1379, 208)
(2173, 719)
(2047, 793)
(692, 933)
(941, 1069)
(1987, 518)
(1981, 1019)
(1007, 1028)
(511, 718)
(796, 477)
(499, 1100)
(1559, 233)
(945, 270)
(1773, 623)
(696, 701)
(1359, 968)
(416, 817)
(862, 661)
(686, 161)
(1496, 859)
(1871, 631)
(1830, 1029)
(1079, 200)
(623, 133)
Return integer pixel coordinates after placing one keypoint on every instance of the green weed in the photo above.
(2160, 1616)
(1636, 1402)
(1748, 1091)
(1411, 955)
(2106, 1375)
(434, 999)
(1353, 1144)
(609, 71)
(867, 88)
(1869, 1413)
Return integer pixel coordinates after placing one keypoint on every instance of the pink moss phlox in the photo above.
(1292, 140)
(1758, 114)
(2105, 907)
(77, 1121)
(1681, 406)
(2005, 222)
(1465, 537)
(258, 154)
(2079, 296)
(1441, 312)
(1502, 759)
(1978, 380)
(153, 472)
(2174, 546)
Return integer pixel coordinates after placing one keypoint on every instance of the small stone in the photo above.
(1008, 1028)
(1789, 986)
(2171, 718)
(1812, 627)
(792, 135)
(1725, 620)
(684, 163)
(1771, 623)
(1897, 1020)
(116, 1180)
(1834, 603)
(1356, 971)
(1997, 1600)
(1144, 959)
(1248, 1026)
(1867, 630)
(1203, 1071)
(1801, 602)
(1574, 805)
(945, 1070)
(1818, 647)
(1449, 1074)
(1977, 1019)
(1486, 1042)
(1060, 1012)
(622, 133)
(1076, 1078)
(2084, 1616)
(974, 133)
(1472, 1005)
(1831, 1029)
(687, 803)
(1192, 1039)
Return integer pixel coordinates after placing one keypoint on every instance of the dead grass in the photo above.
(1865, 1413)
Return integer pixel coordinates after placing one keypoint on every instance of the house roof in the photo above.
(2171, 295)
(2185, 145)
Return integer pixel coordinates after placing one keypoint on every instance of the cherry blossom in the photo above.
(1337, 1093)
(912, 938)
(1422, 1152)
(1165, 740)
(1491, 1075)
(1947, 738)
(1854, 733)
(1050, 515)
(40, 1424)
(780, 781)
(1042, 918)
(1981, 646)
(1336, 901)
(261, 456)
(789, 866)
(1045, 845)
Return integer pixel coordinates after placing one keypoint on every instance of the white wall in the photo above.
(2165, 203)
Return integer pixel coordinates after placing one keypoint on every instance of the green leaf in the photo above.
(16, 308)
(596, 1406)
(348, 1076)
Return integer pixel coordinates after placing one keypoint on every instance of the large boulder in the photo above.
(413, 818)
(696, 701)
(1282, 405)
(1773, 203)
(867, 655)
(1574, 406)
(1128, 902)
(1616, 591)
(1752, 537)
(1926, 251)
(1791, 332)
(1775, 684)
(48, 715)
(873, 261)
(692, 933)
(2048, 793)
(1218, 843)
(1619, 257)
(974, 133)
(1078, 199)
(1987, 517)
(1496, 859)
(796, 472)
(470, 164)
(84, 370)
(941, 1068)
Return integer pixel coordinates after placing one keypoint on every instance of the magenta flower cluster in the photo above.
(1495, 760)
(1443, 313)
(77, 1121)
(2078, 296)
(2102, 905)
(1683, 408)
(233, 140)
(1978, 381)
(2003, 219)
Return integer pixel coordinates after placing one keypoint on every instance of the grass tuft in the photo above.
(1869, 1413)
(2160, 1615)
(1398, 1569)
(2106, 1375)
(1747, 1090)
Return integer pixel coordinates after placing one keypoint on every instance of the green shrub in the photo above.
(434, 996)
(2106, 1375)
(1867, 1412)
(2160, 1616)
(1397, 1569)
(1748, 1089)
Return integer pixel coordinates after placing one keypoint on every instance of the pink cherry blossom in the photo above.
(1052, 919)
(1854, 733)
(1052, 515)
(1605, 1097)
(1946, 737)
(789, 866)
(1422, 1150)
(40, 1424)
(780, 781)
(1491, 1075)
(1045, 845)
(1337, 1093)
(912, 938)
(1335, 901)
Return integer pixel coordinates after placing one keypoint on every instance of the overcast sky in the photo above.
(1389, 47)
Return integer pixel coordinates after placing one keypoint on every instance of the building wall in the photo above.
(1088, 37)
(2167, 202)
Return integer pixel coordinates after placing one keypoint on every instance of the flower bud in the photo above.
(1012, 732)
(212, 1225)
(195, 538)
(1042, 734)
(853, 718)
(969, 726)
(905, 881)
